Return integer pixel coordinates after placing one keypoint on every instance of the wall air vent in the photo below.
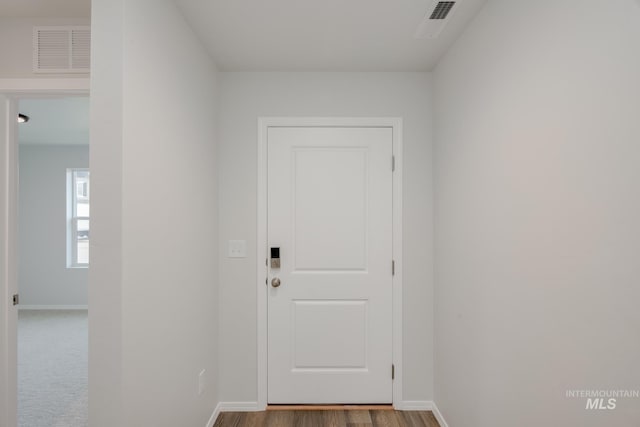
(61, 49)
(436, 18)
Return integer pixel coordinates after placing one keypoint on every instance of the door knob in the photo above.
(275, 282)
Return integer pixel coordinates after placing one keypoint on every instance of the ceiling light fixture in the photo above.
(22, 118)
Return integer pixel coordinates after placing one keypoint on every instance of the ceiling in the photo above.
(55, 121)
(322, 35)
(299, 35)
(45, 8)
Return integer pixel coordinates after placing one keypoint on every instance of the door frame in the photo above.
(264, 123)
(11, 90)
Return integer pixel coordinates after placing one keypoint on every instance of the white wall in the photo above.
(246, 96)
(153, 293)
(105, 276)
(537, 207)
(43, 277)
(16, 46)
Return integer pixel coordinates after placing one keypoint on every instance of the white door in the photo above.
(330, 216)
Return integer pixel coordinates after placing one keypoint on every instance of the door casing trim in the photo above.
(264, 123)
(12, 90)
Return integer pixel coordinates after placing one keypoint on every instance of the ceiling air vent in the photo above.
(435, 19)
(442, 9)
(62, 49)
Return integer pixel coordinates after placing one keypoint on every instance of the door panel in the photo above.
(326, 325)
(322, 218)
(330, 214)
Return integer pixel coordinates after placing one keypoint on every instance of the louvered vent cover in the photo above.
(442, 10)
(436, 18)
(63, 49)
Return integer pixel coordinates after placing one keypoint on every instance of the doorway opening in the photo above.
(53, 259)
(351, 150)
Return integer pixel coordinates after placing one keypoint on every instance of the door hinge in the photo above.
(393, 163)
(393, 372)
(16, 299)
(393, 268)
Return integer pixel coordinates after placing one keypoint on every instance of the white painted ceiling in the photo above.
(45, 8)
(274, 35)
(321, 35)
(299, 35)
(55, 121)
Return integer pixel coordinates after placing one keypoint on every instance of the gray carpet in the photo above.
(52, 368)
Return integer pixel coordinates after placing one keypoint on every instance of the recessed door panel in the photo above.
(329, 335)
(323, 218)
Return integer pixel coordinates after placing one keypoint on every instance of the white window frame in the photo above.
(73, 218)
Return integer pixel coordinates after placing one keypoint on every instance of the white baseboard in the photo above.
(53, 307)
(438, 415)
(239, 407)
(214, 416)
(414, 405)
(422, 405)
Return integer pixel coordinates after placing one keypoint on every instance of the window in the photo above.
(78, 218)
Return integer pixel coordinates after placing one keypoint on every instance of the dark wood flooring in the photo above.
(327, 418)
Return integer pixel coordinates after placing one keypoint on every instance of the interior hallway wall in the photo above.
(43, 276)
(537, 207)
(246, 96)
(153, 286)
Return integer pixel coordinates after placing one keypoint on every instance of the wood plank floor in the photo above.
(327, 418)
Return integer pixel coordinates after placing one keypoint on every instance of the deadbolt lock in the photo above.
(275, 257)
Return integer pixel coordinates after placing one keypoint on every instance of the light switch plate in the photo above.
(237, 248)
